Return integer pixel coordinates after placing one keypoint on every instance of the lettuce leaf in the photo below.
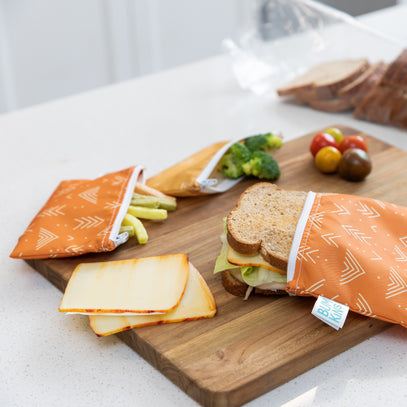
(255, 276)
(251, 275)
(222, 260)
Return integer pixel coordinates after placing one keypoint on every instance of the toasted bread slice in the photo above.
(264, 221)
(239, 289)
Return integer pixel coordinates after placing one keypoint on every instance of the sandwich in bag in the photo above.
(346, 248)
(258, 235)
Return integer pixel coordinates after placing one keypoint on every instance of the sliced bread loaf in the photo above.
(323, 80)
(264, 220)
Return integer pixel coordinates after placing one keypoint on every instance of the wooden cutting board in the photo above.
(251, 346)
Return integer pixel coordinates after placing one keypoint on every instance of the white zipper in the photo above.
(116, 237)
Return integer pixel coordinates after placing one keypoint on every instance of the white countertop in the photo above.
(49, 359)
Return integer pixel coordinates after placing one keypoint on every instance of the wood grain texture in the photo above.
(251, 346)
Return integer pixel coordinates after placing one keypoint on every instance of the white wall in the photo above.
(53, 48)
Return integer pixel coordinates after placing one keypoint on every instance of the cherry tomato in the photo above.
(327, 159)
(353, 142)
(335, 132)
(322, 140)
(355, 164)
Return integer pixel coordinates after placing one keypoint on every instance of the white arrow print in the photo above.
(397, 285)
(118, 180)
(305, 253)
(403, 240)
(112, 205)
(87, 222)
(363, 306)
(356, 234)
(91, 195)
(403, 256)
(342, 210)
(381, 204)
(104, 232)
(329, 238)
(378, 257)
(54, 211)
(45, 237)
(352, 269)
(369, 212)
(316, 219)
(74, 249)
(316, 286)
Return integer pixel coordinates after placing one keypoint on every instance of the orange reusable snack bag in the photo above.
(81, 216)
(190, 177)
(352, 250)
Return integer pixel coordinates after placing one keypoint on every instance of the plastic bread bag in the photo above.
(282, 39)
(81, 216)
(352, 250)
(200, 174)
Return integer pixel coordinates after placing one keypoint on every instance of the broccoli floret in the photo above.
(232, 162)
(230, 166)
(241, 152)
(267, 141)
(262, 165)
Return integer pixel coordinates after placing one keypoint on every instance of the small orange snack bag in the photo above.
(352, 250)
(196, 175)
(81, 216)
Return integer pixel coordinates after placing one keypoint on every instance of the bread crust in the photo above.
(264, 221)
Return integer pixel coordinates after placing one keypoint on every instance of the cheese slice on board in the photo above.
(239, 259)
(197, 303)
(140, 286)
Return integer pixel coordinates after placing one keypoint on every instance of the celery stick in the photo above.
(128, 229)
(139, 229)
(147, 213)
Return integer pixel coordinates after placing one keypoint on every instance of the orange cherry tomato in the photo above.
(327, 159)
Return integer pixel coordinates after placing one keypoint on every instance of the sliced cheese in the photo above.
(197, 302)
(146, 285)
(239, 259)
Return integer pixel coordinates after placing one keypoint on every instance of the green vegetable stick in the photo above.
(128, 229)
(147, 213)
(154, 202)
(139, 229)
(145, 201)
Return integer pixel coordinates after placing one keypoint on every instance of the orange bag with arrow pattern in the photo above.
(81, 216)
(352, 250)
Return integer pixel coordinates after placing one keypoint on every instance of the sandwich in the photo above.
(257, 239)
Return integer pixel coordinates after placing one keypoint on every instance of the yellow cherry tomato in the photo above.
(335, 132)
(327, 159)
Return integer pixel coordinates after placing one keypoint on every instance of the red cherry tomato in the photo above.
(322, 140)
(352, 142)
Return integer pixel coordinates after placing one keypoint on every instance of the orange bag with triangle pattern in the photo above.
(352, 250)
(81, 216)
